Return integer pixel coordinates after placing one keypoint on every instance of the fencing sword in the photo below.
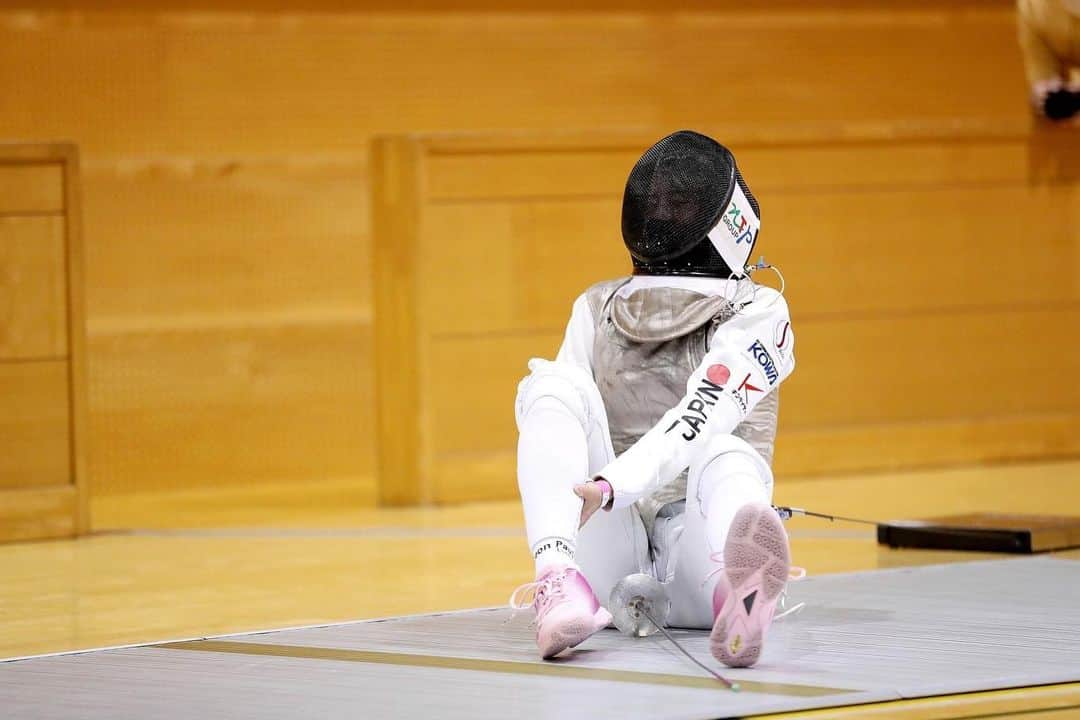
(640, 607)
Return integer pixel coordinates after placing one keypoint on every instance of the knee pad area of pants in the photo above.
(559, 385)
(724, 461)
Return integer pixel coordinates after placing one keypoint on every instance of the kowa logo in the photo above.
(696, 412)
(765, 360)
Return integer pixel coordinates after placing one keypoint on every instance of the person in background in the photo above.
(1050, 42)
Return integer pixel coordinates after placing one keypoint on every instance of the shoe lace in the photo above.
(795, 574)
(537, 593)
(717, 558)
(524, 595)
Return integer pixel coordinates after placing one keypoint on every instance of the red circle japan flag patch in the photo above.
(718, 374)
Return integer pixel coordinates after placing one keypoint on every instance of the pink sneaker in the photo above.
(756, 569)
(567, 611)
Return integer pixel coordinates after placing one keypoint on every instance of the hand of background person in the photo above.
(1055, 100)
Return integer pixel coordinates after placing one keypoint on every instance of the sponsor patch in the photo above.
(781, 336)
(734, 235)
(553, 543)
(764, 359)
(741, 394)
(739, 218)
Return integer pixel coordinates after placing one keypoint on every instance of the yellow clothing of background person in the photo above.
(1050, 40)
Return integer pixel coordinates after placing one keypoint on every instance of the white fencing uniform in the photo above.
(667, 388)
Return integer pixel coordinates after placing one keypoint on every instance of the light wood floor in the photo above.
(193, 564)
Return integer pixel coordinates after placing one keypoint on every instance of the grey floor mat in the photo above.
(863, 637)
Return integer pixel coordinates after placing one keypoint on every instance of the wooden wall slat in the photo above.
(922, 368)
(906, 369)
(78, 362)
(262, 263)
(31, 188)
(152, 83)
(38, 513)
(927, 278)
(897, 446)
(401, 451)
(236, 215)
(521, 263)
(843, 253)
(802, 456)
(859, 253)
(782, 165)
(176, 240)
(565, 173)
(473, 408)
(33, 287)
(34, 424)
(208, 407)
(42, 386)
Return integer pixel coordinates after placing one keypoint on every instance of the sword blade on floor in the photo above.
(786, 513)
(640, 605)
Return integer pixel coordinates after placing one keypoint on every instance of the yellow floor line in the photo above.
(548, 669)
(1056, 701)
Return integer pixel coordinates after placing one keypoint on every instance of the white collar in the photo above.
(704, 285)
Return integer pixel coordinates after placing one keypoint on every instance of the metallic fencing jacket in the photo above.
(676, 361)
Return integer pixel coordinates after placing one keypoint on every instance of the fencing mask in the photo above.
(687, 210)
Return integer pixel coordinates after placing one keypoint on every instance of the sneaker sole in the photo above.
(573, 632)
(756, 563)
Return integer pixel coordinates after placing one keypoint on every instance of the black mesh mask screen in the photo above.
(673, 198)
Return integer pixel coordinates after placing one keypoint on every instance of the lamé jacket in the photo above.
(679, 360)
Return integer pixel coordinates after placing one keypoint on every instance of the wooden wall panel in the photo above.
(34, 424)
(33, 287)
(260, 278)
(231, 406)
(805, 455)
(785, 163)
(923, 249)
(397, 193)
(77, 346)
(485, 393)
(850, 371)
(902, 249)
(208, 242)
(205, 83)
(524, 251)
(933, 366)
(42, 359)
(227, 170)
(809, 452)
(930, 300)
(32, 514)
(530, 173)
(33, 189)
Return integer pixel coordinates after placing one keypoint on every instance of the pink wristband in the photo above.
(607, 500)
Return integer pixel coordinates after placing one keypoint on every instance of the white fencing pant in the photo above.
(565, 439)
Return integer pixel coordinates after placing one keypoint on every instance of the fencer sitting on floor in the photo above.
(664, 393)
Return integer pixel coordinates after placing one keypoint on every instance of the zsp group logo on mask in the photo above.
(738, 225)
(765, 360)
